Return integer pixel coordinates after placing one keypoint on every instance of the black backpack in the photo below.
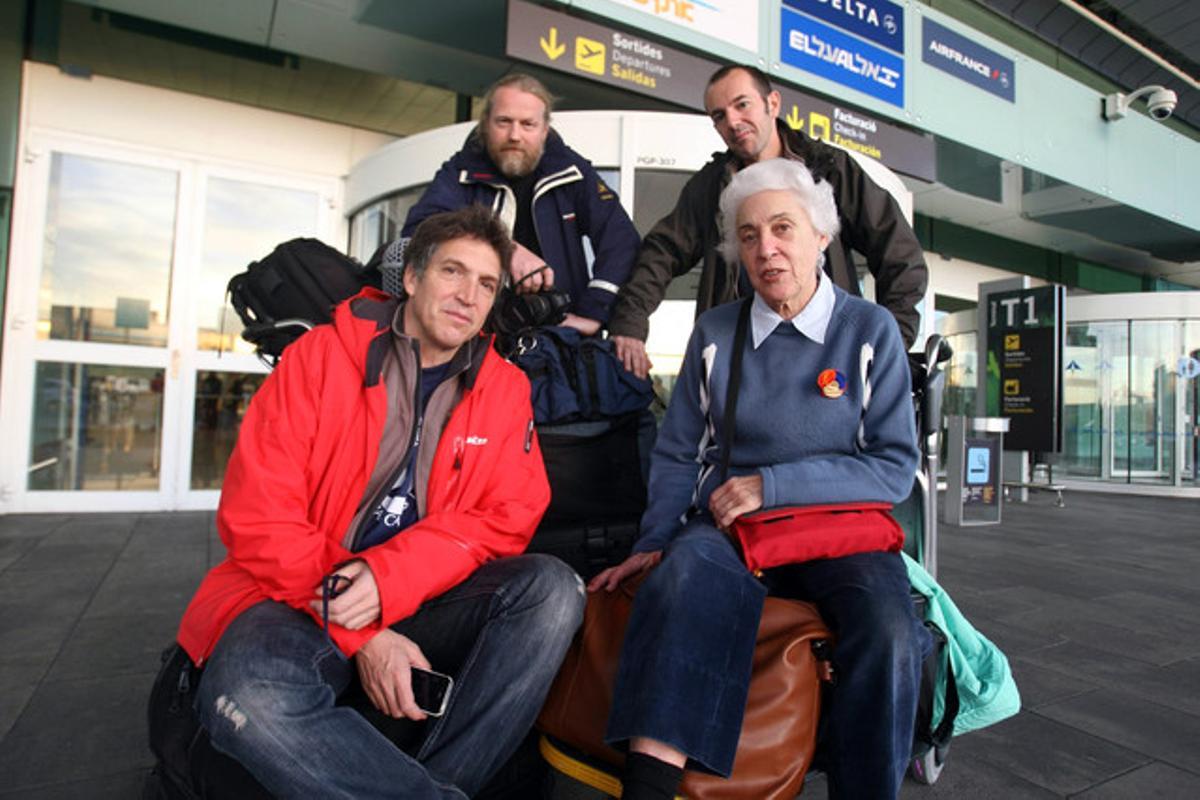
(282, 295)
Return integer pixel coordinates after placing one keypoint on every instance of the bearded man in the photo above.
(547, 195)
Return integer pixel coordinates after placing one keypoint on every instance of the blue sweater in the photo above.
(808, 448)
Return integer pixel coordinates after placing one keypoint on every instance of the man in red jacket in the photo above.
(385, 481)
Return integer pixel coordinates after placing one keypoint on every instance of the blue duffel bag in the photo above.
(576, 378)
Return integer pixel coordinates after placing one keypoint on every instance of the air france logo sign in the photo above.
(966, 60)
(849, 57)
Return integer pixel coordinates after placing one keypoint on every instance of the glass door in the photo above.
(123, 377)
(241, 218)
(88, 397)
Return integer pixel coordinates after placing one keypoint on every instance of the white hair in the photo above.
(776, 174)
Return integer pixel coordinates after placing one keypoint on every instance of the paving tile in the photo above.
(78, 553)
(104, 646)
(30, 525)
(121, 786)
(163, 584)
(974, 779)
(1157, 613)
(14, 548)
(75, 730)
(1014, 639)
(38, 610)
(154, 531)
(1039, 685)
(1118, 634)
(1012, 604)
(1152, 780)
(1089, 663)
(17, 684)
(1133, 723)
(1046, 753)
(100, 521)
(1176, 685)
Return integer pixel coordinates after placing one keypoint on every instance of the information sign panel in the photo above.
(618, 58)
(817, 48)
(732, 22)
(880, 21)
(1024, 366)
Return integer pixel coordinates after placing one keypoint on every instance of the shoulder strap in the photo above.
(735, 379)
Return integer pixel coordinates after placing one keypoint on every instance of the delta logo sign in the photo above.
(861, 47)
(968, 61)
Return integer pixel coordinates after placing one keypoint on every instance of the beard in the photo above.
(514, 161)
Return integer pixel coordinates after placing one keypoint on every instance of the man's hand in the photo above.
(735, 497)
(612, 577)
(358, 606)
(585, 325)
(525, 262)
(632, 353)
(385, 665)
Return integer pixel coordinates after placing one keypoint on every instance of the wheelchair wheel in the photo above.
(927, 768)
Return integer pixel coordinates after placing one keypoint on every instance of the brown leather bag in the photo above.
(779, 729)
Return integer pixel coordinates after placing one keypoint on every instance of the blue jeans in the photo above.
(269, 694)
(685, 667)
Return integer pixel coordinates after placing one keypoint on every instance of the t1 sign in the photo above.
(1024, 365)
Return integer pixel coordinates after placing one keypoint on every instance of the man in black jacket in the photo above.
(744, 110)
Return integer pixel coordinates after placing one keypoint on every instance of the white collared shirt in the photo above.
(812, 321)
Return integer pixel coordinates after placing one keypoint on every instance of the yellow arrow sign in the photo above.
(553, 48)
(794, 120)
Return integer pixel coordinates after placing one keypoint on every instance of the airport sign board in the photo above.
(630, 61)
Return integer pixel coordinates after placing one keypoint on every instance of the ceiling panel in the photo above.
(1169, 28)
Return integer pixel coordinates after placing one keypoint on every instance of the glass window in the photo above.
(242, 223)
(655, 192)
(95, 427)
(1190, 388)
(961, 380)
(221, 402)
(1095, 400)
(106, 264)
(381, 222)
(1153, 352)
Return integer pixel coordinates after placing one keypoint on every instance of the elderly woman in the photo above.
(685, 666)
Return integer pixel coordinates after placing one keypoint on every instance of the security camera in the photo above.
(1160, 102)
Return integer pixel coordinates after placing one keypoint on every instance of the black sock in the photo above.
(647, 778)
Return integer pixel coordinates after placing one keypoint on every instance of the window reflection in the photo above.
(106, 264)
(221, 402)
(242, 223)
(1190, 389)
(1152, 349)
(95, 427)
(381, 222)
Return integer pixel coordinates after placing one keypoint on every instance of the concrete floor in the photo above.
(1095, 605)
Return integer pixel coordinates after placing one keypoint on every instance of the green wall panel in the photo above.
(956, 241)
(12, 26)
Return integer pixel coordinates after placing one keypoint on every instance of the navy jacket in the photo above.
(570, 201)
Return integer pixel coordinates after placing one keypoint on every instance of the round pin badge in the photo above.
(831, 383)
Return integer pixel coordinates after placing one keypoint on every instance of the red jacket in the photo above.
(305, 452)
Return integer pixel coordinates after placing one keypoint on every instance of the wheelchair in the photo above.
(572, 770)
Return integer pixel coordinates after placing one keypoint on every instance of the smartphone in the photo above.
(431, 690)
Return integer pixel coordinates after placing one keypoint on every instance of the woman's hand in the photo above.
(612, 577)
(735, 497)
